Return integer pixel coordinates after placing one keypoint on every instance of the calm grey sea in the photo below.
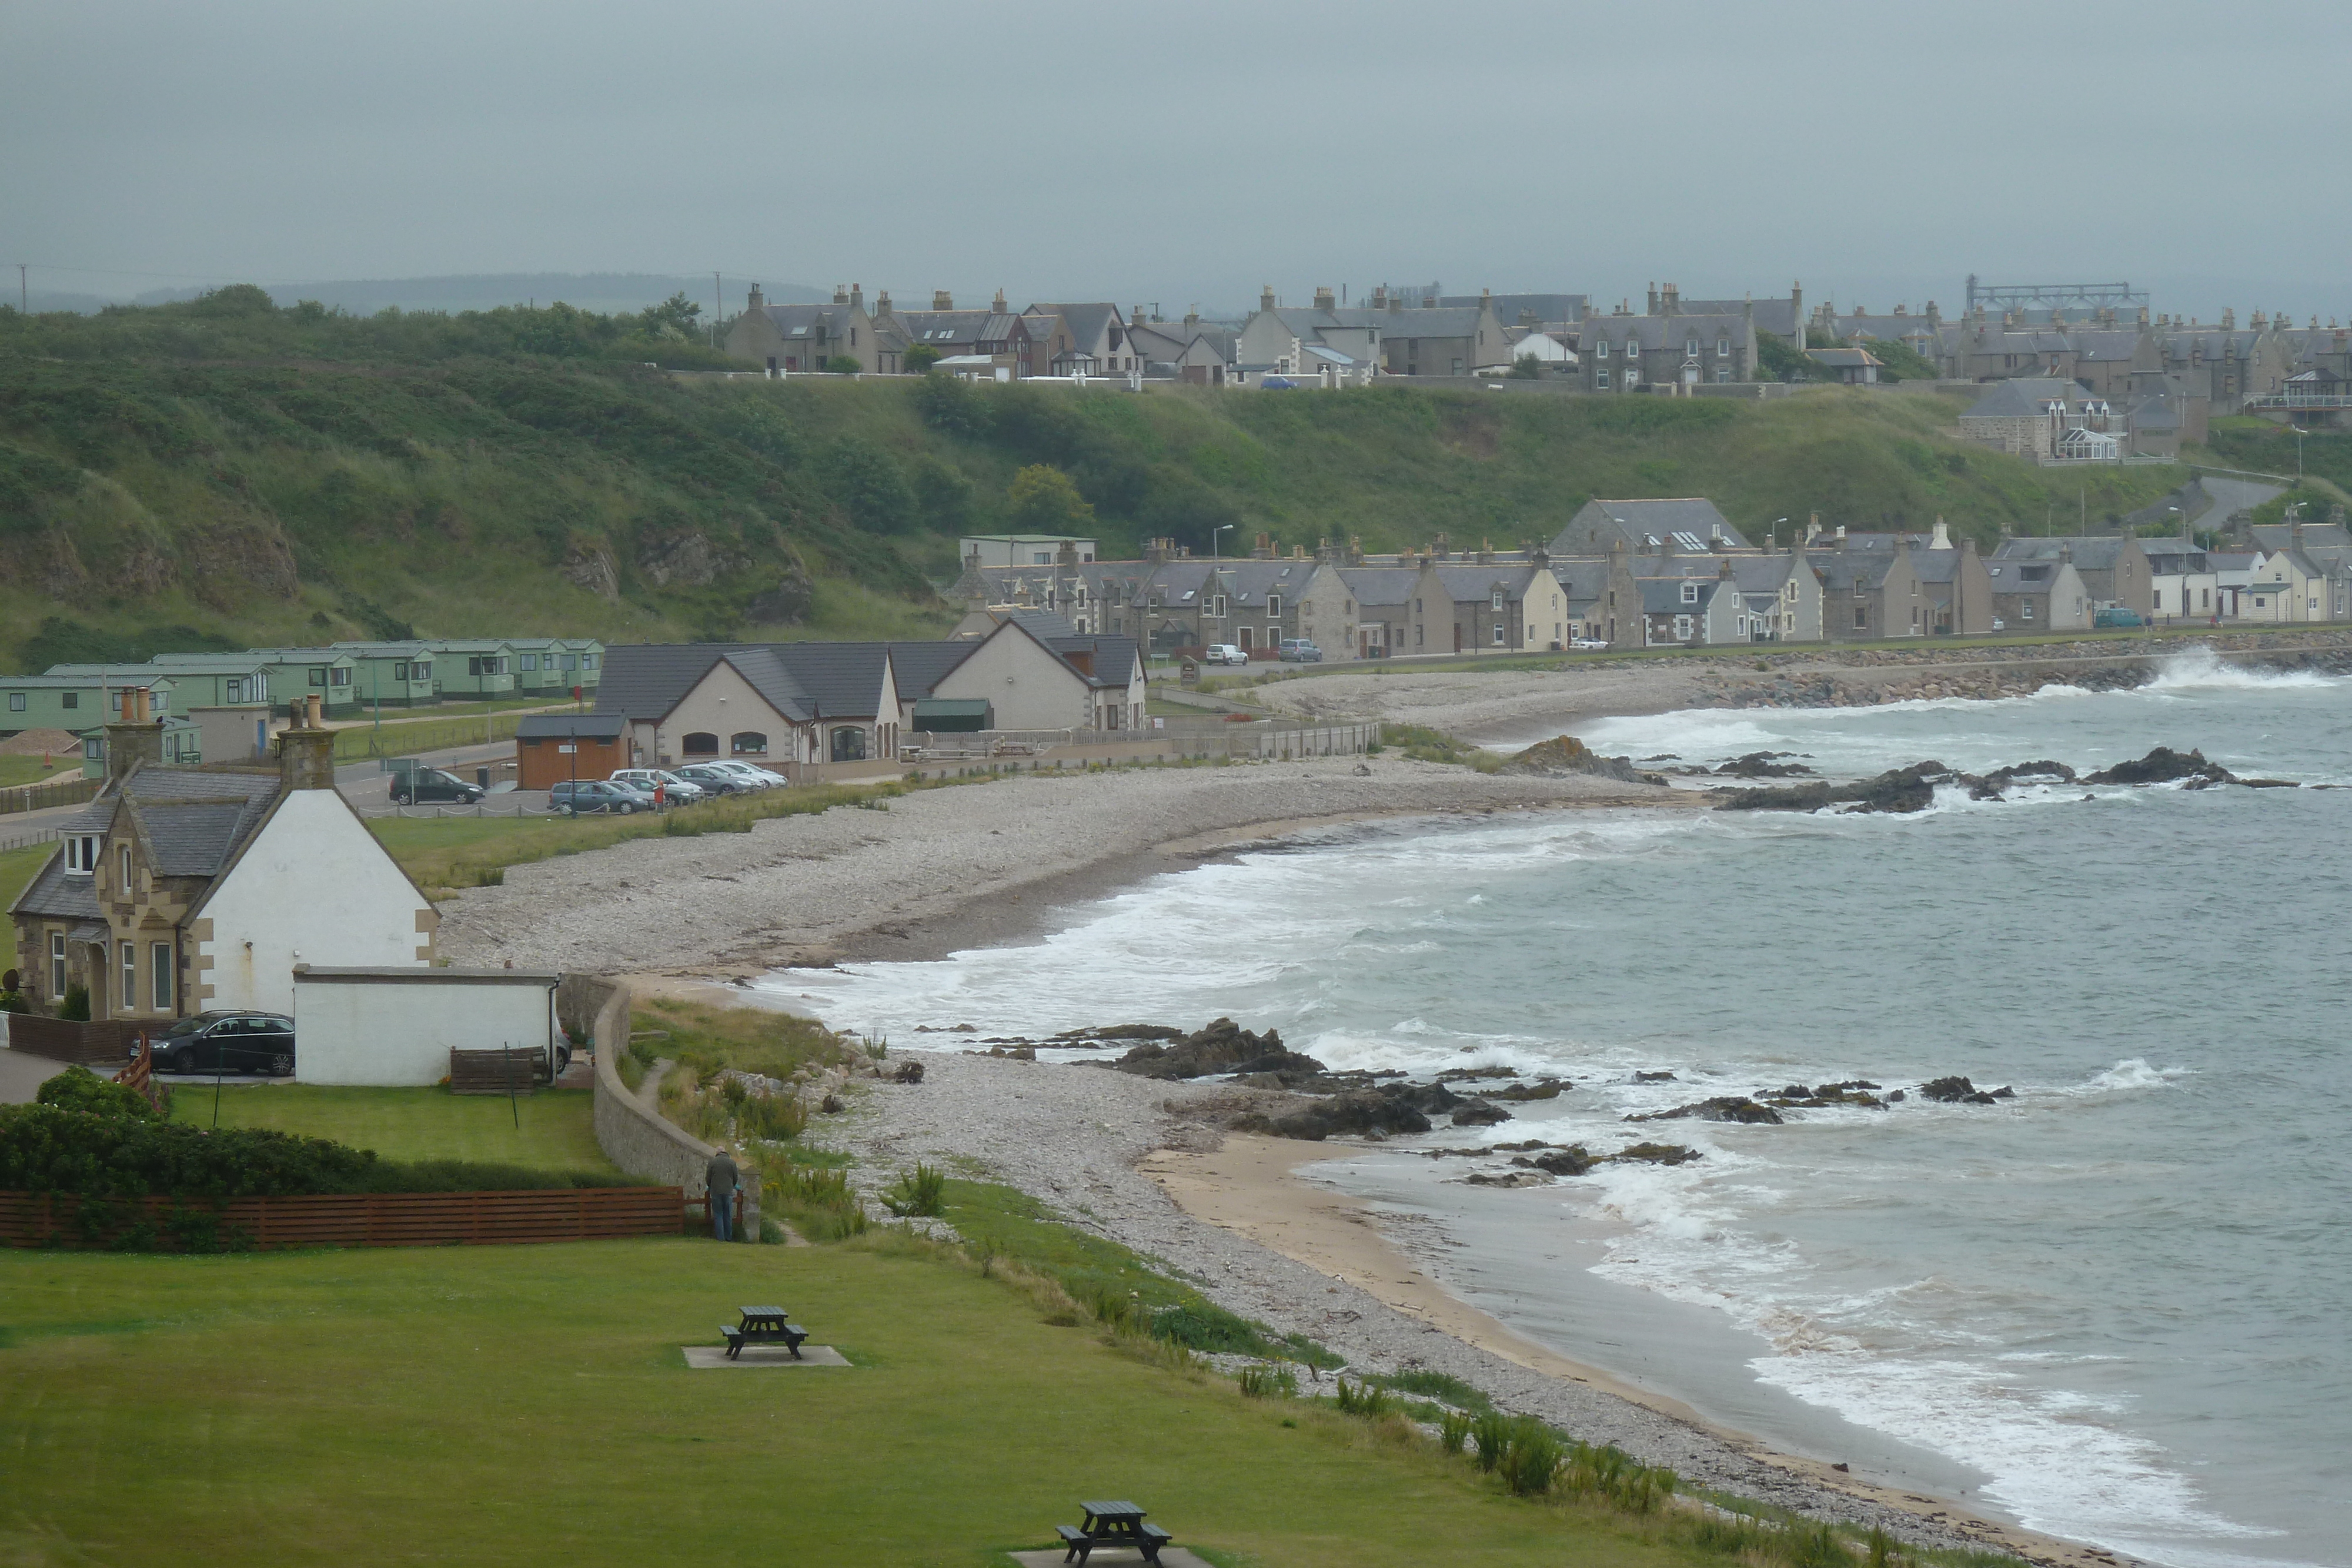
(2112, 1308)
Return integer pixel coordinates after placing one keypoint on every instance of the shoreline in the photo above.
(1253, 1187)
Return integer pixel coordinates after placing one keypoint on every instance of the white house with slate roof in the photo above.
(774, 705)
(180, 890)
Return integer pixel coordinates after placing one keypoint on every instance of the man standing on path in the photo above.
(719, 1180)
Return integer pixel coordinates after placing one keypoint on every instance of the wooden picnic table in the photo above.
(1114, 1525)
(763, 1325)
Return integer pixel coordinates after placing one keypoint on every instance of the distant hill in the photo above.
(227, 469)
(607, 293)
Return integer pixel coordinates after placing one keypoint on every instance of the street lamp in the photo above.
(1215, 552)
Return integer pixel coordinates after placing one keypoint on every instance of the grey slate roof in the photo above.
(1644, 522)
(194, 819)
(1379, 584)
(1509, 307)
(646, 680)
(921, 666)
(192, 837)
(52, 892)
(2024, 397)
(2091, 552)
(1465, 583)
(1114, 657)
(1664, 595)
(845, 679)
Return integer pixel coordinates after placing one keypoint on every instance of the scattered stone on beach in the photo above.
(1223, 1047)
(1564, 754)
(1542, 1089)
(1507, 1178)
(1763, 765)
(1479, 1114)
(912, 1071)
(1018, 1052)
(1721, 1108)
(1958, 1090)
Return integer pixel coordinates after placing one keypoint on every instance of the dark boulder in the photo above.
(1542, 1089)
(1479, 1114)
(1654, 1078)
(1387, 1111)
(2165, 766)
(1763, 765)
(1224, 1047)
(1722, 1108)
(908, 1073)
(1958, 1090)
(1899, 790)
(1121, 1031)
(1569, 1162)
(1566, 755)
(1659, 1154)
(1990, 786)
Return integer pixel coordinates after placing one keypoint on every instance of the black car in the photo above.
(432, 784)
(228, 1042)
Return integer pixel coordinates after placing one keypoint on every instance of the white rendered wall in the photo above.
(314, 887)
(401, 1032)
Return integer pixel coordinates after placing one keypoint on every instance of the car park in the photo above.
(420, 785)
(1224, 654)
(713, 779)
(675, 790)
(1299, 651)
(586, 797)
(228, 1042)
(755, 776)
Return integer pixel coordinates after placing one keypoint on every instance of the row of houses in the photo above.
(1659, 573)
(225, 706)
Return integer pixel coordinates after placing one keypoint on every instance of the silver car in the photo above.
(675, 790)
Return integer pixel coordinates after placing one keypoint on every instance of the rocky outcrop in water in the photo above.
(2165, 766)
(1911, 788)
(1384, 1110)
(1958, 1090)
(1721, 1108)
(1807, 1097)
(1566, 755)
(1224, 1047)
(1763, 765)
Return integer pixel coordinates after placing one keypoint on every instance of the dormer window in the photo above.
(81, 855)
(1690, 593)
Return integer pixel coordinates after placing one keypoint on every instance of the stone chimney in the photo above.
(305, 751)
(1396, 304)
(857, 295)
(1429, 302)
(134, 740)
(759, 300)
(1380, 297)
(999, 305)
(1941, 539)
(1263, 549)
(942, 300)
(1653, 308)
(1442, 546)
(840, 294)
(1723, 568)
(1192, 320)
(882, 303)
(1325, 299)
(1266, 298)
(1486, 552)
(1673, 299)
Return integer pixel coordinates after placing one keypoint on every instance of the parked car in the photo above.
(1224, 653)
(713, 779)
(755, 776)
(1299, 651)
(579, 797)
(2118, 616)
(676, 790)
(432, 784)
(228, 1042)
(1587, 645)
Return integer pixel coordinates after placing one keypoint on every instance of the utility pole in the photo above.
(23, 308)
(718, 307)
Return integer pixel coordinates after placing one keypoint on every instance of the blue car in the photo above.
(2117, 617)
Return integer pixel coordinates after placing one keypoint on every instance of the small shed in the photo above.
(397, 1025)
(954, 715)
(550, 747)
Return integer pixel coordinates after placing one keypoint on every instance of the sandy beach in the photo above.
(1145, 1163)
(944, 869)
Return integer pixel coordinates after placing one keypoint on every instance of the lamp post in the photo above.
(1216, 551)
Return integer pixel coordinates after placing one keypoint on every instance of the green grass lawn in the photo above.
(15, 771)
(558, 1132)
(16, 869)
(529, 1405)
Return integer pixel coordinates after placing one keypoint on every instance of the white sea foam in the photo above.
(2201, 669)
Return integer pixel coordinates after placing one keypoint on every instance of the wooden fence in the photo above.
(348, 1219)
(511, 1071)
(62, 1039)
(38, 797)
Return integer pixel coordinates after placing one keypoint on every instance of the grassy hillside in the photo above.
(226, 471)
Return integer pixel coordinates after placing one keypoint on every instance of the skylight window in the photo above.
(1688, 541)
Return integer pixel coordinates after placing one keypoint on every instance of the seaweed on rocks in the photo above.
(1721, 1108)
(1542, 1089)
(1899, 790)
(1223, 1047)
(1565, 755)
(1659, 1154)
(1573, 1161)
(1384, 1111)
(1800, 1096)
(1763, 765)
(1958, 1090)
(2165, 766)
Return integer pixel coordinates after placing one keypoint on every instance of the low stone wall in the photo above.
(634, 1134)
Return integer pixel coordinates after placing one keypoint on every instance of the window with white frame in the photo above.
(1690, 593)
(1499, 599)
(1274, 604)
(1499, 633)
(1722, 348)
(1601, 348)
(129, 975)
(1690, 347)
(1723, 373)
(159, 975)
(56, 966)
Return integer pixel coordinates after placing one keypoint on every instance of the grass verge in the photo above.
(1422, 744)
(18, 867)
(557, 1129)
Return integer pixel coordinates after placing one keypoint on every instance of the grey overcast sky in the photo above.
(1191, 152)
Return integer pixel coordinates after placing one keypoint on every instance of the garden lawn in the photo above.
(557, 1131)
(18, 867)
(512, 1404)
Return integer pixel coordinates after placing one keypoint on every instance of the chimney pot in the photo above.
(942, 300)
